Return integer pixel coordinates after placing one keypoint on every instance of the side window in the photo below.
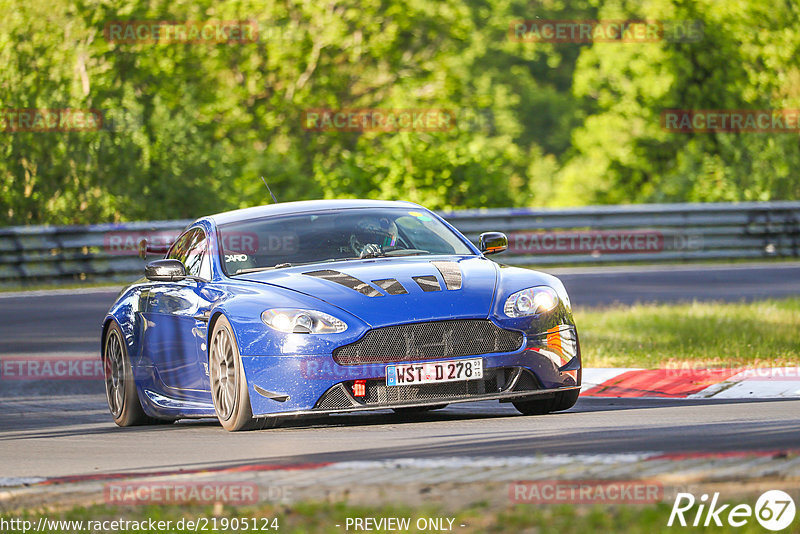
(196, 254)
(205, 266)
(178, 249)
(190, 249)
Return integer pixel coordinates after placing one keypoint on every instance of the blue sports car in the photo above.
(321, 307)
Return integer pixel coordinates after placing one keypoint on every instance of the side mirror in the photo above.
(165, 271)
(493, 242)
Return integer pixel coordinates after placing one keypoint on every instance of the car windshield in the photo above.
(287, 240)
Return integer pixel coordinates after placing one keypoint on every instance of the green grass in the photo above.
(764, 333)
(323, 517)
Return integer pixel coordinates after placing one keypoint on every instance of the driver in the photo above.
(372, 236)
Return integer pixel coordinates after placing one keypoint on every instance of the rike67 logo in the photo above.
(774, 510)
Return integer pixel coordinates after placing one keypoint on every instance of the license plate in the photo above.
(431, 372)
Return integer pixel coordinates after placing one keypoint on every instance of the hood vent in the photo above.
(451, 273)
(347, 281)
(391, 286)
(427, 283)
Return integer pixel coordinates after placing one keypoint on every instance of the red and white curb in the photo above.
(722, 383)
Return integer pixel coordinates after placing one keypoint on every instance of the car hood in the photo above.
(333, 283)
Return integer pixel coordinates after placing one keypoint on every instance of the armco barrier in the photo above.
(649, 233)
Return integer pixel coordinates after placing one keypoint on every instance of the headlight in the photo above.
(532, 301)
(302, 321)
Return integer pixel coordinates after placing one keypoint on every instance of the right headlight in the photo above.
(293, 321)
(531, 301)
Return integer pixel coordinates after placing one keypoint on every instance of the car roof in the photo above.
(284, 208)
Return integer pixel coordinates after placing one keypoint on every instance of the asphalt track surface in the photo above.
(65, 429)
(76, 435)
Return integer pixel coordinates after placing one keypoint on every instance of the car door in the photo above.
(177, 319)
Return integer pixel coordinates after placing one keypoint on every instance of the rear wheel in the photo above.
(228, 382)
(563, 400)
(123, 401)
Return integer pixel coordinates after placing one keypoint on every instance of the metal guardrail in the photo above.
(667, 232)
(649, 233)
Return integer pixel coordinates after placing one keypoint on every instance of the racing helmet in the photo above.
(380, 231)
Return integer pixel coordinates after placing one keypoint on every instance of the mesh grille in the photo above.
(426, 341)
(526, 382)
(335, 398)
(378, 393)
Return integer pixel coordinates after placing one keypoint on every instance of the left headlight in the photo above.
(531, 301)
(302, 321)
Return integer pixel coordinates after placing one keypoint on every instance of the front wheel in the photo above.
(563, 400)
(228, 382)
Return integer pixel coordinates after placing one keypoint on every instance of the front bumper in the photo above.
(504, 384)
(297, 385)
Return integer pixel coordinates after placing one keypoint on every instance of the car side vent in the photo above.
(427, 283)
(451, 273)
(347, 281)
(391, 286)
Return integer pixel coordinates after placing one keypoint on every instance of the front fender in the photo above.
(244, 308)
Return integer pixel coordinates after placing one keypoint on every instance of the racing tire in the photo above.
(123, 400)
(563, 400)
(228, 383)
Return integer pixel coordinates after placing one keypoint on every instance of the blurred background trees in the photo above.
(189, 128)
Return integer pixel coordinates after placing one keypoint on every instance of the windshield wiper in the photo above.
(252, 270)
(406, 252)
(256, 269)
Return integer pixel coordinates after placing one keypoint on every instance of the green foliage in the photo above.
(745, 60)
(189, 128)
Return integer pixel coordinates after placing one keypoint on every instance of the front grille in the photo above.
(427, 341)
(500, 380)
